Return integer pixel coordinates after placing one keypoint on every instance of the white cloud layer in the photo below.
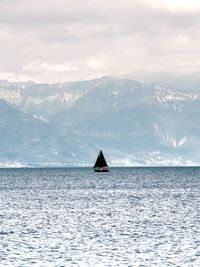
(63, 40)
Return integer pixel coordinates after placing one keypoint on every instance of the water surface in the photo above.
(75, 217)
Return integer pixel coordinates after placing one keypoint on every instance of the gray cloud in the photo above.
(80, 39)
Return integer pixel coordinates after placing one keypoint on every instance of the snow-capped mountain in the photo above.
(43, 100)
(133, 122)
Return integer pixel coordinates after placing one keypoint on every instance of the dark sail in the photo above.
(100, 162)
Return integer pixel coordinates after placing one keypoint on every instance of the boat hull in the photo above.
(101, 170)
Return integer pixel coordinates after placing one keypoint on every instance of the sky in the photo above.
(67, 40)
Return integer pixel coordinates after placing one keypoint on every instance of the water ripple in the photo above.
(74, 217)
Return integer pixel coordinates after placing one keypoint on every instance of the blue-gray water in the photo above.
(75, 217)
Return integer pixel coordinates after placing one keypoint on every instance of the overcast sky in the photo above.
(66, 40)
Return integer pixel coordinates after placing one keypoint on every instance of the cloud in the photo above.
(87, 68)
(79, 39)
(46, 67)
(176, 4)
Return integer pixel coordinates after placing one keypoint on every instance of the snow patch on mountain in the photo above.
(182, 141)
(10, 96)
(13, 164)
(167, 96)
(69, 98)
(40, 117)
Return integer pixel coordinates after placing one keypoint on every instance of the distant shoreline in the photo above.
(91, 167)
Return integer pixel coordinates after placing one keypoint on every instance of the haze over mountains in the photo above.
(135, 123)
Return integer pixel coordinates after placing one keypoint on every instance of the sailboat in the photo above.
(101, 164)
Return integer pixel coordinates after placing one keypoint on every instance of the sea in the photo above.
(58, 217)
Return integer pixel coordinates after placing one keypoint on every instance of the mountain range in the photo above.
(133, 122)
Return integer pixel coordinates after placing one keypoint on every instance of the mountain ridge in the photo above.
(134, 123)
